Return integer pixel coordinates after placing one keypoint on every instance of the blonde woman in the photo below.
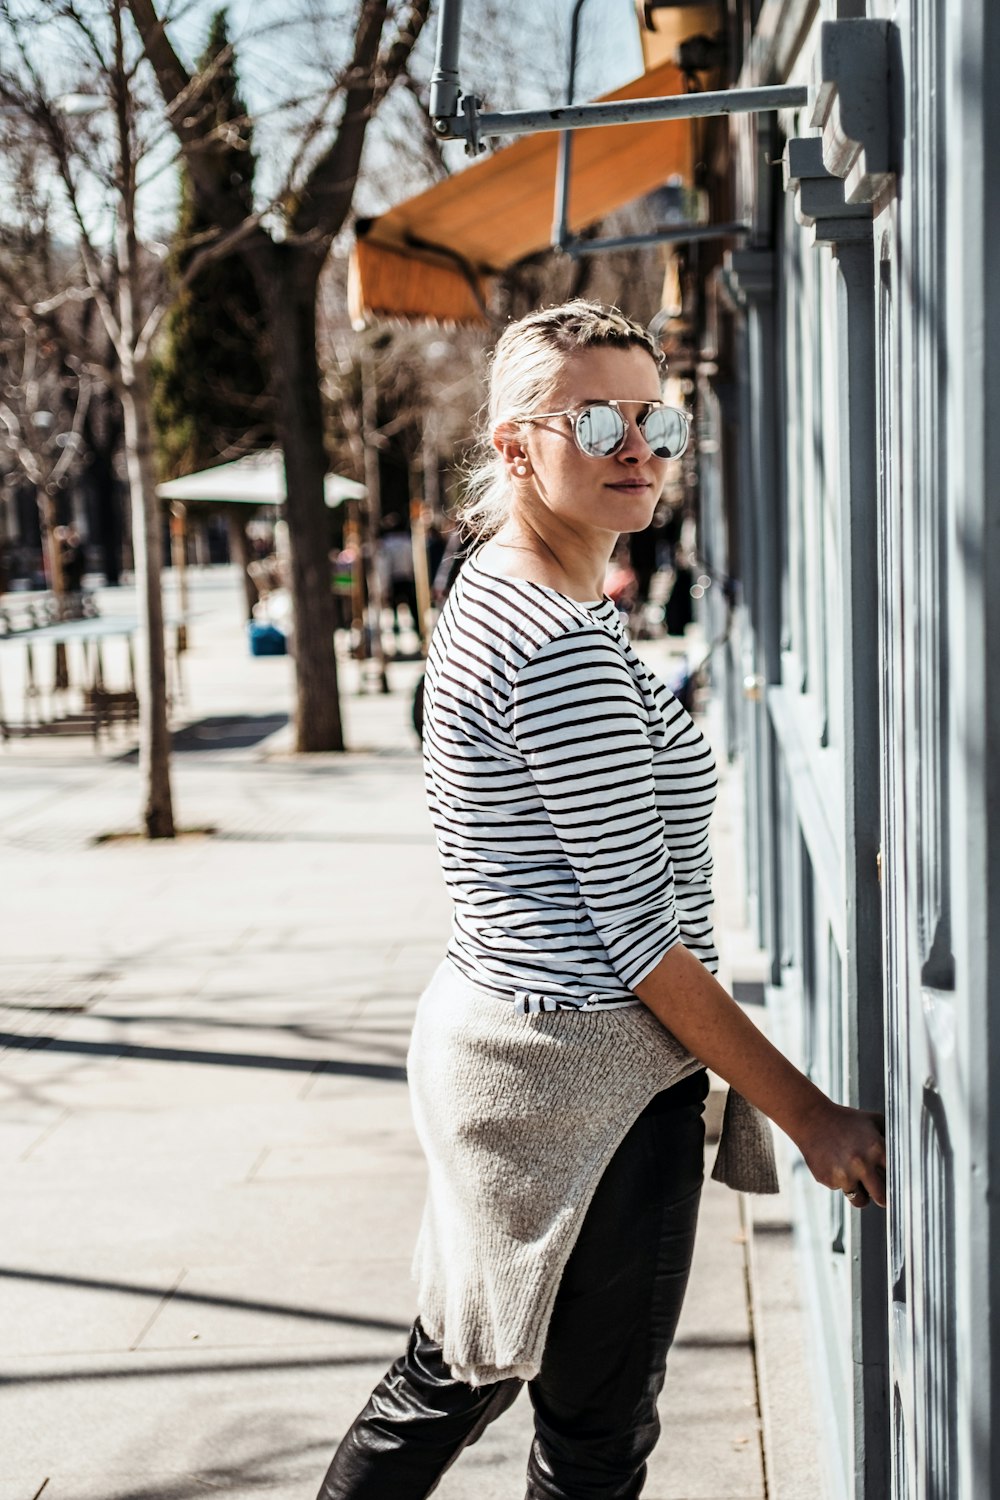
(557, 1067)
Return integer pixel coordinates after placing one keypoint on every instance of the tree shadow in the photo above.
(219, 732)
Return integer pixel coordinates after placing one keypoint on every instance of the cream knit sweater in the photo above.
(518, 1116)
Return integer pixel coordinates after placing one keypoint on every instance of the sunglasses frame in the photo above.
(577, 413)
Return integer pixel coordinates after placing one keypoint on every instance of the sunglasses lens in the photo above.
(600, 431)
(666, 431)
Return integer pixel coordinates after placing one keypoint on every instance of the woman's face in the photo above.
(616, 494)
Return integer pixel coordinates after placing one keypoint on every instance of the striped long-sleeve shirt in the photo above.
(570, 794)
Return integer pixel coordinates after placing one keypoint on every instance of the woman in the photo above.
(557, 1067)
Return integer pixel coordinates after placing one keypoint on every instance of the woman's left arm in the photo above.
(842, 1147)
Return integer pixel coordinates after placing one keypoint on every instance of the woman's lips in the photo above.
(631, 486)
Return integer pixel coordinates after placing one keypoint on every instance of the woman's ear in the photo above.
(509, 444)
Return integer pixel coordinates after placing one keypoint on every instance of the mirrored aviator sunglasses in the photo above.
(600, 429)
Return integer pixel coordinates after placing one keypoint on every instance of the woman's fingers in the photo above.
(851, 1158)
(873, 1182)
(869, 1168)
(870, 1189)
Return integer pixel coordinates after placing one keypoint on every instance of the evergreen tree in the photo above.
(211, 399)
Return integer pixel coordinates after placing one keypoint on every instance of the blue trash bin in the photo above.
(266, 640)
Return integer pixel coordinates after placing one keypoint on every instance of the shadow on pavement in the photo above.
(221, 732)
(199, 1367)
(202, 1299)
(313, 836)
(388, 1072)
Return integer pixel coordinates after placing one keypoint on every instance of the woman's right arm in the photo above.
(842, 1147)
(577, 718)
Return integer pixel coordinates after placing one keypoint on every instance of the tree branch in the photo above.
(396, 57)
(18, 446)
(193, 127)
(70, 449)
(206, 256)
(326, 196)
(37, 109)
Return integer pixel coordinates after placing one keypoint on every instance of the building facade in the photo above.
(837, 320)
(849, 437)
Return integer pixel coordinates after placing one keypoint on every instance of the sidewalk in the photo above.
(211, 1182)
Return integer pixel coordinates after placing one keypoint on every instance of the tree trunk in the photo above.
(286, 277)
(239, 547)
(154, 736)
(51, 555)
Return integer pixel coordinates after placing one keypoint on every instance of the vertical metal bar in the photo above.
(862, 827)
(971, 370)
(445, 88)
(749, 541)
(753, 276)
(767, 622)
(560, 229)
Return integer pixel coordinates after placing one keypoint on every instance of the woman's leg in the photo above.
(617, 1309)
(417, 1421)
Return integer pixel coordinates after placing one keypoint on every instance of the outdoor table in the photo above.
(45, 707)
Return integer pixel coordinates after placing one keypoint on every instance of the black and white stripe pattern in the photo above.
(571, 795)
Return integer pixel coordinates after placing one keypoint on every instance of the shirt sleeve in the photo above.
(578, 718)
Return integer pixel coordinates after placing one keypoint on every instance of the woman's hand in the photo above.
(844, 1149)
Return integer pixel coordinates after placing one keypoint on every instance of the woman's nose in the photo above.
(634, 449)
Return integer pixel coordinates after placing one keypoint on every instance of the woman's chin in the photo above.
(632, 513)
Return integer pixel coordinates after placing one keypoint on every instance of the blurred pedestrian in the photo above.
(395, 556)
(436, 543)
(679, 611)
(71, 558)
(557, 1061)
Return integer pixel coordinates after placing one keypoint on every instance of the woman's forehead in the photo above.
(604, 374)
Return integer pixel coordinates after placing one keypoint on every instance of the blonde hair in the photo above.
(527, 362)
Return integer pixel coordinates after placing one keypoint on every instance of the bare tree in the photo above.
(43, 409)
(286, 247)
(94, 161)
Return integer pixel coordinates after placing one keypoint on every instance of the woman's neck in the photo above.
(574, 565)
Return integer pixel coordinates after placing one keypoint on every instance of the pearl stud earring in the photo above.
(521, 470)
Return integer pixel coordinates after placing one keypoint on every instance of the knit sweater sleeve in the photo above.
(578, 718)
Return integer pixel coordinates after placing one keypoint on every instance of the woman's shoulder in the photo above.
(517, 617)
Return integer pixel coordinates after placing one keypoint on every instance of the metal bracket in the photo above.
(850, 106)
(468, 108)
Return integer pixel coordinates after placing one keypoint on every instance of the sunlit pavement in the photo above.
(210, 1182)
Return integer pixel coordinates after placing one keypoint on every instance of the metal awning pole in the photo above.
(472, 126)
(445, 90)
(672, 235)
(560, 229)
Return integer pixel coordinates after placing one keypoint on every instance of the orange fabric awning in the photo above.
(433, 255)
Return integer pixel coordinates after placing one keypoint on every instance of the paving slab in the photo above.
(152, 1427)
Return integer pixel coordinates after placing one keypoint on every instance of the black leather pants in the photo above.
(605, 1356)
